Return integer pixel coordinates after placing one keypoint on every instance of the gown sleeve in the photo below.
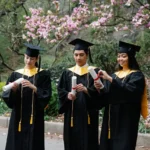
(44, 89)
(99, 98)
(63, 91)
(130, 90)
(9, 96)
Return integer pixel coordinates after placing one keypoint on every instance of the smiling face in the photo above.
(30, 61)
(123, 60)
(80, 57)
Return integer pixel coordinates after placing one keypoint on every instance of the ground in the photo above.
(142, 148)
(52, 141)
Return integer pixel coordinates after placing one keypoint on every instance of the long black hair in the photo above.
(132, 62)
(38, 65)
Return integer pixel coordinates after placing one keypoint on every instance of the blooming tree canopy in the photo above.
(54, 27)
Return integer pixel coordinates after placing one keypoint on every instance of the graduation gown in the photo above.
(31, 136)
(84, 133)
(122, 112)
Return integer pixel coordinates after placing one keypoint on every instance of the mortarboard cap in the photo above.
(130, 49)
(32, 50)
(82, 45)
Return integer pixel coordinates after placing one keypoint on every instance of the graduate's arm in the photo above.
(134, 87)
(43, 90)
(63, 93)
(10, 96)
(95, 90)
(92, 89)
(97, 93)
(100, 97)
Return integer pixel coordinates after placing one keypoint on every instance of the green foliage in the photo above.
(1, 85)
(52, 108)
(3, 107)
(143, 40)
(142, 128)
(104, 55)
(57, 69)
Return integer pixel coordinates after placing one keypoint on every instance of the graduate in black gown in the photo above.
(80, 113)
(125, 99)
(27, 101)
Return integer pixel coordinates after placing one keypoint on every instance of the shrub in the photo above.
(1, 85)
(3, 106)
(142, 127)
(52, 108)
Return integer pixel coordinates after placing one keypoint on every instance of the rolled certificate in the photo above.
(9, 86)
(74, 84)
(95, 76)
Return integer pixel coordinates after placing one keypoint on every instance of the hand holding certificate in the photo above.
(95, 76)
(9, 86)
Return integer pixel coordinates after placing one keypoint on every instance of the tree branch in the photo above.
(15, 51)
(4, 64)
(125, 19)
(25, 10)
(57, 49)
(143, 4)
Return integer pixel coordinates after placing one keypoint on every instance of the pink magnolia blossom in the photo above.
(57, 5)
(86, 25)
(142, 17)
(53, 41)
(125, 28)
(113, 2)
(52, 27)
(26, 17)
(148, 25)
(75, 32)
(36, 11)
(81, 1)
(102, 20)
(28, 39)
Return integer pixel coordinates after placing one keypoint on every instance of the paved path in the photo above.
(52, 142)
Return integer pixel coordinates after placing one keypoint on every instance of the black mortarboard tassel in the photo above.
(82, 45)
(130, 49)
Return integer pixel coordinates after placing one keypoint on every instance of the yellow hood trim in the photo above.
(80, 70)
(144, 101)
(28, 72)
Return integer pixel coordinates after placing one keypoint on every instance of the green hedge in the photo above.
(3, 107)
(1, 85)
(52, 108)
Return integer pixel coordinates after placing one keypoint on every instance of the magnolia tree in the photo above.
(54, 27)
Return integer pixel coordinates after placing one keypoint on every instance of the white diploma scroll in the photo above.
(95, 76)
(74, 84)
(9, 86)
